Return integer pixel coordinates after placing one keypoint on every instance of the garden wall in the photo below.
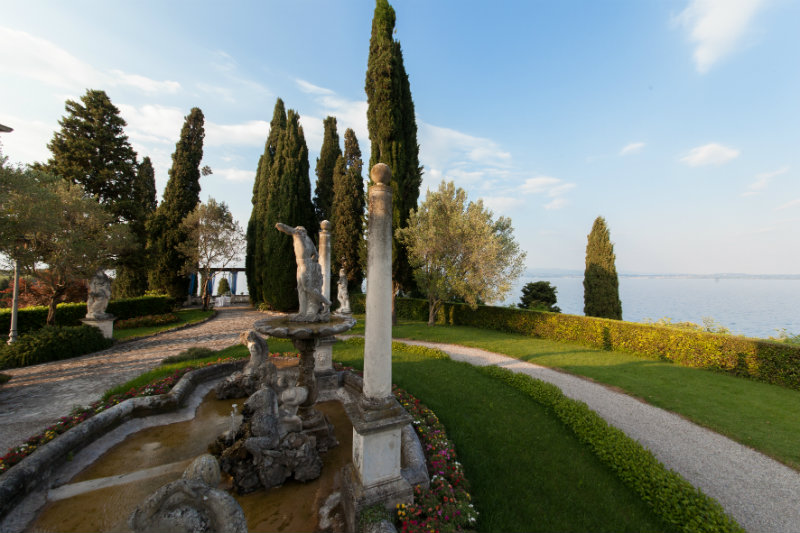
(772, 362)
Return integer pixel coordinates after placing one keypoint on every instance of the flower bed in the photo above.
(446, 504)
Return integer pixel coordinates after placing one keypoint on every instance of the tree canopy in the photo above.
(393, 129)
(181, 196)
(600, 282)
(328, 154)
(539, 295)
(347, 218)
(458, 251)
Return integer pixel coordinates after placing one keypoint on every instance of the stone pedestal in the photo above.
(326, 377)
(106, 325)
(375, 475)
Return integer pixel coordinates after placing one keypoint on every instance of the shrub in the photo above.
(146, 321)
(195, 352)
(52, 343)
(70, 314)
(772, 362)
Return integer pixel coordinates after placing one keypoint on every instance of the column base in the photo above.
(356, 497)
(105, 325)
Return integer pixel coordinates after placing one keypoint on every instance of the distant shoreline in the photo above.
(579, 273)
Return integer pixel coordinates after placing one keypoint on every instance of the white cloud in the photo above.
(763, 179)
(632, 148)
(787, 205)
(348, 113)
(28, 56)
(715, 26)
(710, 154)
(502, 204)
(153, 123)
(235, 174)
(28, 142)
(310, 88)
(251, 133)
(548, 186)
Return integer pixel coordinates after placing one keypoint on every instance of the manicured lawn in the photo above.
(527, 471)
(185, 316)
(762, 416)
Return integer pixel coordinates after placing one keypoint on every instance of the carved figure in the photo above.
(99, 295)
(344, 295)
(314, 306)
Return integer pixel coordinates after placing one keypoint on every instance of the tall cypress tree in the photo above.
(255, 261)
(347, 217)
(328, 154)
(288, 201)
(132, 267)
(92, 149)
(181, 196)
(600, 282)
(393, 129)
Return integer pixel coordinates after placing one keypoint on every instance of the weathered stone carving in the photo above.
(191, 504)
(99, 296)
(343, 294)
(258, 371)
(314, 306)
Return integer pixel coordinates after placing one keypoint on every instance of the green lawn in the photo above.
(762, 416)
(185, 316)
(527, 471)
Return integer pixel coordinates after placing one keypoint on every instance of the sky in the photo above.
(677, 121)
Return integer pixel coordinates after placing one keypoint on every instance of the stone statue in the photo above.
(314, 306)
(99, 295)
(343, 296)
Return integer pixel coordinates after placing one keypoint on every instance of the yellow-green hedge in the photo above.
(768, 361)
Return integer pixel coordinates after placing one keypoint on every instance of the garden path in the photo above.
(38, 395)
(759, 492)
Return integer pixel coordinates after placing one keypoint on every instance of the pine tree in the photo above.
(393, 129)
(600, 283)
(181, 196)
(92, 149)
(347, 218)
(330, 151)
(255, 261)
(132, 267)
(288, 201)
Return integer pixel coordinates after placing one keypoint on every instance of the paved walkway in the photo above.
(38, 395)
(759, 492)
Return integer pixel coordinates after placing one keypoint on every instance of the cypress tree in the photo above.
(393, 130)
(600, 282)
(132, 266)
(181, 196)
(347, 218)
(255, 261)
(92, 149)
(328, 154)
(288, 201)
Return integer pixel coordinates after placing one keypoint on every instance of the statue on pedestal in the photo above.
(99, 295)
(314, 306)
(343, 294)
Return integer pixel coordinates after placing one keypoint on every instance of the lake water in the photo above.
(751, 307)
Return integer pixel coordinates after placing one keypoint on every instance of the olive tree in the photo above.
(458, 251)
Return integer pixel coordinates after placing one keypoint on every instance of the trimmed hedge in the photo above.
(70, 314)
(52, 343)
(146, 321)
(670, 496)
(768, 361)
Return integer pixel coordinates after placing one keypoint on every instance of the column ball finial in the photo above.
(325, 225)
(381, 173)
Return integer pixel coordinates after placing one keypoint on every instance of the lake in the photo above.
(751, 307)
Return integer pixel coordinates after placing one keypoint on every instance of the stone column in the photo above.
(375, 475)
(323, 353)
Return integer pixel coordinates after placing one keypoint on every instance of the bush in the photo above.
(34, 318)
(670, 496)
(146, 321)
(195, 352)
(764, 360)
(52, 343)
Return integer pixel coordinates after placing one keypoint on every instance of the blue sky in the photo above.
(675, 120)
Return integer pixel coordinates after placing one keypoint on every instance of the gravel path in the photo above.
(38, 395)
(759, 492)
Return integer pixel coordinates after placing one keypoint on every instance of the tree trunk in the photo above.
(433, 309)
(51, 310)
